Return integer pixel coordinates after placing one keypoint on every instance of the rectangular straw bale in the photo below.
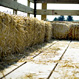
(29, 31)
(42, 31)
(11, 40)
(3, 34)
(7, 40)
(39, 31)
(74, 31)
(48, 31)
(60, 30)
(20, 34)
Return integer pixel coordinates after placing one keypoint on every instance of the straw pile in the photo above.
(18, 32)
(48, 31)
(74, 31)
(60, 30)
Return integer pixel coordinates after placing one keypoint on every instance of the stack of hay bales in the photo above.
(60, 30)
(48, 31)
(18, 32)
(74, 31)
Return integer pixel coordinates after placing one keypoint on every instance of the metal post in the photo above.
(35, 8)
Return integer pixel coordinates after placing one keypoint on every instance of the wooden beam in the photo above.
(15, 5)
(57, 1)
(28, 4)
(57, 12)
(44, 6)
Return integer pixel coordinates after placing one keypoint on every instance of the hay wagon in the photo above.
(37, 49)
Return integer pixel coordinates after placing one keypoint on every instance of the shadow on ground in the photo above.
(10, 59)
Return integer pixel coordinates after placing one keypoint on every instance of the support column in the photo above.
(15, 11)
(35, 8)
(44, 6)
(28, 4)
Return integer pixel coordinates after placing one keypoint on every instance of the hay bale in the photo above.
(60, 30)
(48, 31)
(7, 34)
(74, 31)
(39, 31)
(29, 31)
(26, 26)
(20, 34)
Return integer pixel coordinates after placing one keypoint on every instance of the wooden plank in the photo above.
(44, 6)
(68, 67)
(57, 12)
(13, 67)
(40, 66)
(57, 1)
(15, 5)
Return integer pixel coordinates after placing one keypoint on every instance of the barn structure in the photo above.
(37, 49)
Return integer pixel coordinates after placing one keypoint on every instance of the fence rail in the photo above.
(57, 12)
(13, 4)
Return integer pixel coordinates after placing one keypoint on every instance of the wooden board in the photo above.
(15, 5)
(57, 12)
(44, 6)
(68, 67)
(40, 66)
(57, 1)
